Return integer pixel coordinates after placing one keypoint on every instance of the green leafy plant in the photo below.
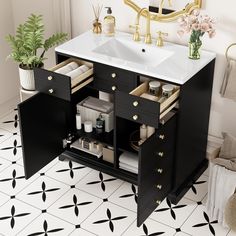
(28, 45)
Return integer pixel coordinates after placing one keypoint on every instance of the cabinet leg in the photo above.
(61, 158)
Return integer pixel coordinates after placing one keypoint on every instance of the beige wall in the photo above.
(8, 78)
(223, 111)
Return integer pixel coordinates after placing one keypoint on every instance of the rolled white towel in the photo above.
(67, 68)
(75, 73)
(78, 71)
(84, 68)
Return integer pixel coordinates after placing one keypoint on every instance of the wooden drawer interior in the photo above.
(165, 106)
(81, 80)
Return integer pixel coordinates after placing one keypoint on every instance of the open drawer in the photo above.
(61, 85)
(144, 111)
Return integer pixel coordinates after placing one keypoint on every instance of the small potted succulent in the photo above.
(28, 48)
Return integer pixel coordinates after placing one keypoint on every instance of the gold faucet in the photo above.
(161, 5)
(148, 37)
(160, 41)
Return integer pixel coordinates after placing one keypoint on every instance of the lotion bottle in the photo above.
(109, 23)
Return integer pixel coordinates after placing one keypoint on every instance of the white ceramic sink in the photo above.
(170, 62)
(136, 52)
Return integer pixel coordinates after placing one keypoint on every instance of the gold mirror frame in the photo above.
(196, 4)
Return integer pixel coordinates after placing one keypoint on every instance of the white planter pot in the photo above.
(27, 79)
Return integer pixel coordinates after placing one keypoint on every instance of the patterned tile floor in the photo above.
(66, 198)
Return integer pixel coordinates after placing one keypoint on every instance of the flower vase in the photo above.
(194, 50)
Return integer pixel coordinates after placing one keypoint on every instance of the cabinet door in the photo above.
(155, 169)
(43, 120)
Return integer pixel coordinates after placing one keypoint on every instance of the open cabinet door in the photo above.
(43, 124)
(155, 176)
(147, 180)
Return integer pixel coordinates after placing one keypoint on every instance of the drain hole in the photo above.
(143, 50)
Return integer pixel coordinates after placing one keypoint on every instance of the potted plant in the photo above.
(28, 48)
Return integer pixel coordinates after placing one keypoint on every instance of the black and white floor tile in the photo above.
(11, 149)
(66, 198)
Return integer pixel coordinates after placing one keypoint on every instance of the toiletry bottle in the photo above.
(78, 121)
(100, 124)
(143, 132)
(109, 23)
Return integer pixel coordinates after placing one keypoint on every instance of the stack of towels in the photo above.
(129, 162)
(72, 69)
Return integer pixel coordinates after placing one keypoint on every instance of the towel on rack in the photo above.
(228, 88)
(221, 186)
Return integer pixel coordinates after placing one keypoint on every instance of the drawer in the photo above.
(112, 86)
(133, 107)
(60, 85)
(115, 75)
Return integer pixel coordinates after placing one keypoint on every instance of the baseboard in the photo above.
(8, 106)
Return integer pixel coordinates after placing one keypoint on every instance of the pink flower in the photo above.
(196, 26)
(196, 22)
(204, 27)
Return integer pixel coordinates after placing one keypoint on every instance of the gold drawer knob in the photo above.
(113, 75)
(135, 103)
(158, 202)
(162, 136)
(160, 171)
(50, 91)
(160, 154)
(113, 88)
(135, 117)
(159, 187)
(50, 78)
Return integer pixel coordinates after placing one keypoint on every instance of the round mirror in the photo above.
(164, 10)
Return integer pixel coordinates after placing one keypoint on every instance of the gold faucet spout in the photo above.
(148, 38)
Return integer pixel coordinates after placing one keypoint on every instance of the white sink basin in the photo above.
(136, 52)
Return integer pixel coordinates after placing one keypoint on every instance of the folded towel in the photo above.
(221, 186)
(128, 168)
(228, 88)
(129, 159)
(98, 105)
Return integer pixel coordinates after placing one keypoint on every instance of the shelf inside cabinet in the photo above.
(104, 138)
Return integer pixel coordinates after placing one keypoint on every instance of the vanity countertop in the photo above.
(176, 68)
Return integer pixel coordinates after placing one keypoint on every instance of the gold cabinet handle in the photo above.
(162, 136)
(50, 78)
(113, 75)
(160, 154)
(158, 202)
(160, 171)
(159, 186)
(135, 117)
(135, 103)
(50, 91)
(113, 88)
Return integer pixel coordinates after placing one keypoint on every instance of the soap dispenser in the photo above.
(109, 23)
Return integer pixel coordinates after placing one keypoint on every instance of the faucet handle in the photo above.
(136, 35)
(160, 38)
